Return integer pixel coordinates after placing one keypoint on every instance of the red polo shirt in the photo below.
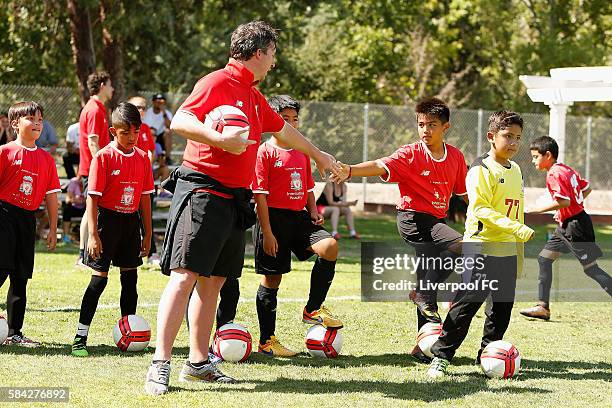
(233, 85)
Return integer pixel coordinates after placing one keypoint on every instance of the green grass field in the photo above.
(567, 362)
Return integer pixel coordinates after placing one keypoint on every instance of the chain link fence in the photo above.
(357, 132)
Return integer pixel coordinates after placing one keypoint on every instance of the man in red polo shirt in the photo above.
(205, 234)
(93, 134)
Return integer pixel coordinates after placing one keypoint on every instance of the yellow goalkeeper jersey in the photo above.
(496, 208)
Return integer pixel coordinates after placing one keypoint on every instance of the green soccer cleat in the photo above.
(79, 347)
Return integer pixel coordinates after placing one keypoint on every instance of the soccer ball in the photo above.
(427, 336)
(323, 342)
(226, 118)
(132, 333)
(4, 329)
(500, 359)
(233, 343)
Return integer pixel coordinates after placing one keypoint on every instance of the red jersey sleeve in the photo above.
(151, 144)
(54, 184)
(582, 183)
(271, 121)
(201, 100)
(94, 123)
(460, 187)
(558, 187)
(149, 184)
(398, 164)
(310, 184)
(262, 166)
(97, 177)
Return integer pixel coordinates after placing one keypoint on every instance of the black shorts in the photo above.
(418, 228)
(85, 181)
(207, 240)
(121, 241)
(294, 232)
(577, 236)
(17, 240)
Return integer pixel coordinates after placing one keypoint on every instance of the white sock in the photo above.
(334, 232)
(353, 233)
(82, 330)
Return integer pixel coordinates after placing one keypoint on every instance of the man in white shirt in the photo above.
(158, 117)
(71, 157)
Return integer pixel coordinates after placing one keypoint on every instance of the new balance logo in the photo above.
(278, 163)
(115, 172)
(501, 181)
(17, 162)
(239, 103)
(425, 173)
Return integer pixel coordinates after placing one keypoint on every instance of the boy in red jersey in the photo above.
(282, 187)
(27, 177)
(575, 231)
(121, 180)
(93, 135)
(428, 172)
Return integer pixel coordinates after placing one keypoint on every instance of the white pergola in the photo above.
(562, 88)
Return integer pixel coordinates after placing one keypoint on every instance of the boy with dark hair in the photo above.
(428, 172)
(121, 180)
(93, 135)
(283, 186)
(27, 177)
(574, 233)
(494, 233)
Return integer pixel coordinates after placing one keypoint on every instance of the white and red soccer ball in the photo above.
(500, 359)
(323, 342)
(427, 336)
(227, 118)
(4, 329)
(233, 343)
(132, 333)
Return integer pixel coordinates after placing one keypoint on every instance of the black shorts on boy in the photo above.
(294, 232)
(120, 238)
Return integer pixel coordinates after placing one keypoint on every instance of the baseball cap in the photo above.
(157, 96)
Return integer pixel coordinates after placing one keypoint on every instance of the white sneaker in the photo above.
(158, 378)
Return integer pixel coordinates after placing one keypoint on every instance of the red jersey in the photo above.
(564, 182)
(426, 184)
(145, 140)
(284, 175)
(93, 121)
(233, 85)
(27, 175)
(120, 178)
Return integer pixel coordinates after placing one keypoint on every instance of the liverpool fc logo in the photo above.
(26, 186)
(128, 196)
(296, 181)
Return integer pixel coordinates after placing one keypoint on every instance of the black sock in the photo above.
(129, 294)
(16, 305)
(601, 277)
(320, 280)
(266, 302)
(198, 365)
(82, 253)
(545, 279)
(228, 301)
(160, 361)
(90, 299)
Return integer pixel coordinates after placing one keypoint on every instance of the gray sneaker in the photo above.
(21, 340)
(158, 378)
(209, 373)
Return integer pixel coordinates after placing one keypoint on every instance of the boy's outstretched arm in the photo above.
(51, 202)
(370, 168)
(555, 205)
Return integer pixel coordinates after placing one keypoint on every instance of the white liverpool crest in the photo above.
(26, 186)
(296, 181)
(128, 196)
